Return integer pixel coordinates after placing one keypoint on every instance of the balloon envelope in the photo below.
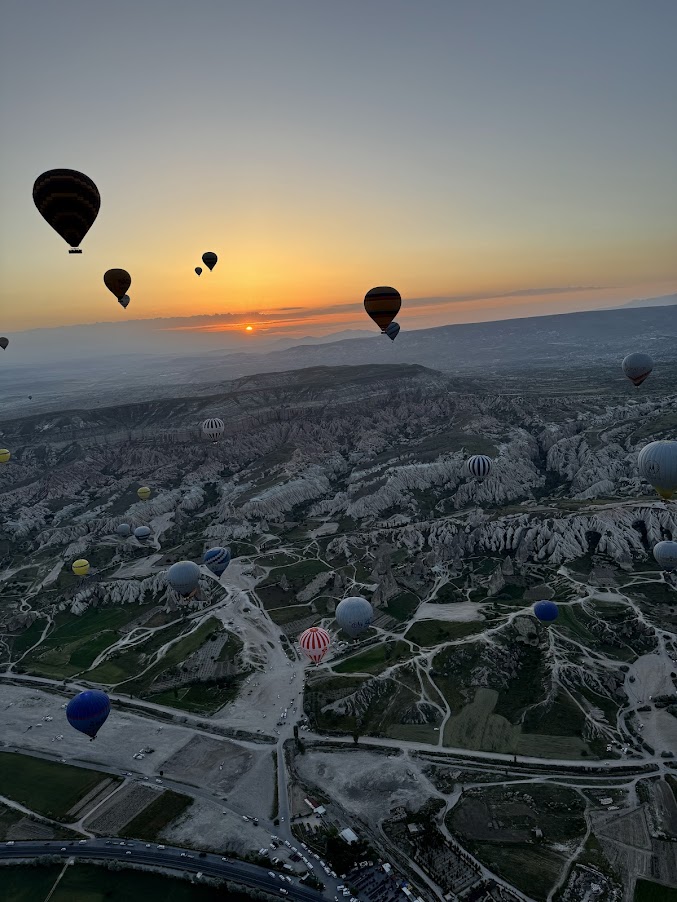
(217, 560)
(382, 304)
(212, 428)
(143, 492)
(392, 331)
(3, 343)
(637, 367)
(657, 464)
(117, 281)
(479, 466)
(354, 615)
(124, 529)
(183, 577)
(88, 711)
(546, 611)
(209, 259)
(68, 201)
(666, 555)
(198, 270)
(315, 643)
(80, 567)
(4, 455)
(142, 532)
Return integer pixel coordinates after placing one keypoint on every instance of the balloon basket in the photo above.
(76, 251)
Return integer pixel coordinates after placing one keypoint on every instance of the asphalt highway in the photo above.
(169, 857)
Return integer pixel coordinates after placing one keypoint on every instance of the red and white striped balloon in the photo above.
(315, 643)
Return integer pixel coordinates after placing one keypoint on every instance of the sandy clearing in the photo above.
(459, 612)
(652, 677)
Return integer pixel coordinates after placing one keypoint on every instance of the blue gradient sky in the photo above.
(320, 148)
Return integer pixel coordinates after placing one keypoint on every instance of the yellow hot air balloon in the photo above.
(143, 493)
(80, 567)
(4, 455)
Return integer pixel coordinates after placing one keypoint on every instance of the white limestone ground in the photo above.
(206, 826)
(365, 784)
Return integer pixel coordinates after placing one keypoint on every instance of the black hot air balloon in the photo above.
(198, 270)
(4, 342)
(117, 281)
(209, 259)
(69, 202)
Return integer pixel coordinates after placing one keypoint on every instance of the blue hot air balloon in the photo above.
(124, 530)
(546, 611)
(392, 331)
(217, 559)
(142, 533)
(88, 711)
(183, 577)
(354, 615)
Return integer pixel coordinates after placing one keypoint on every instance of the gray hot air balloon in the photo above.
(142, 533)
(4, 342)
(213, 428)
(657, 464)
(637, 367)
(124, 301)
(354, 615)
(183, 577)
(124, 530)
(666, 555)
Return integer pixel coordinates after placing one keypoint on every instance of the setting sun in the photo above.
(249, 328)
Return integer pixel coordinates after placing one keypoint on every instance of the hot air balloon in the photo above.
(209, 259)
(666, 555)
(354, 615)
(183, 577)
(88, 711)
(315, 643)
(4, 455)
(217, 560)
(479, 466)
(69, 202)
(143, 493)
(117, 281)
(637, 367)
(198, 270)
(657, 464)
(212, 428)
(392, 331)
(142, 533)
(382, 304)
(546, 611)
(3, 343)
(124, 302)
(124, 530)
(30, 397)
(80, 567)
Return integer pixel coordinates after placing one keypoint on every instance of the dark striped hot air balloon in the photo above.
(69, 202)
(209, 259)
(479, 466)
(382, 304)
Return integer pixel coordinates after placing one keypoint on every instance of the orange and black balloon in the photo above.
(382, 304)
(69, 202)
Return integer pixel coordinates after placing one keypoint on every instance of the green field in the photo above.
(43, 786)
(429, 633)
(155, 817)
(197, 697)
(402, 606)
(89, 883)
(374, 659)
(647, 891)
